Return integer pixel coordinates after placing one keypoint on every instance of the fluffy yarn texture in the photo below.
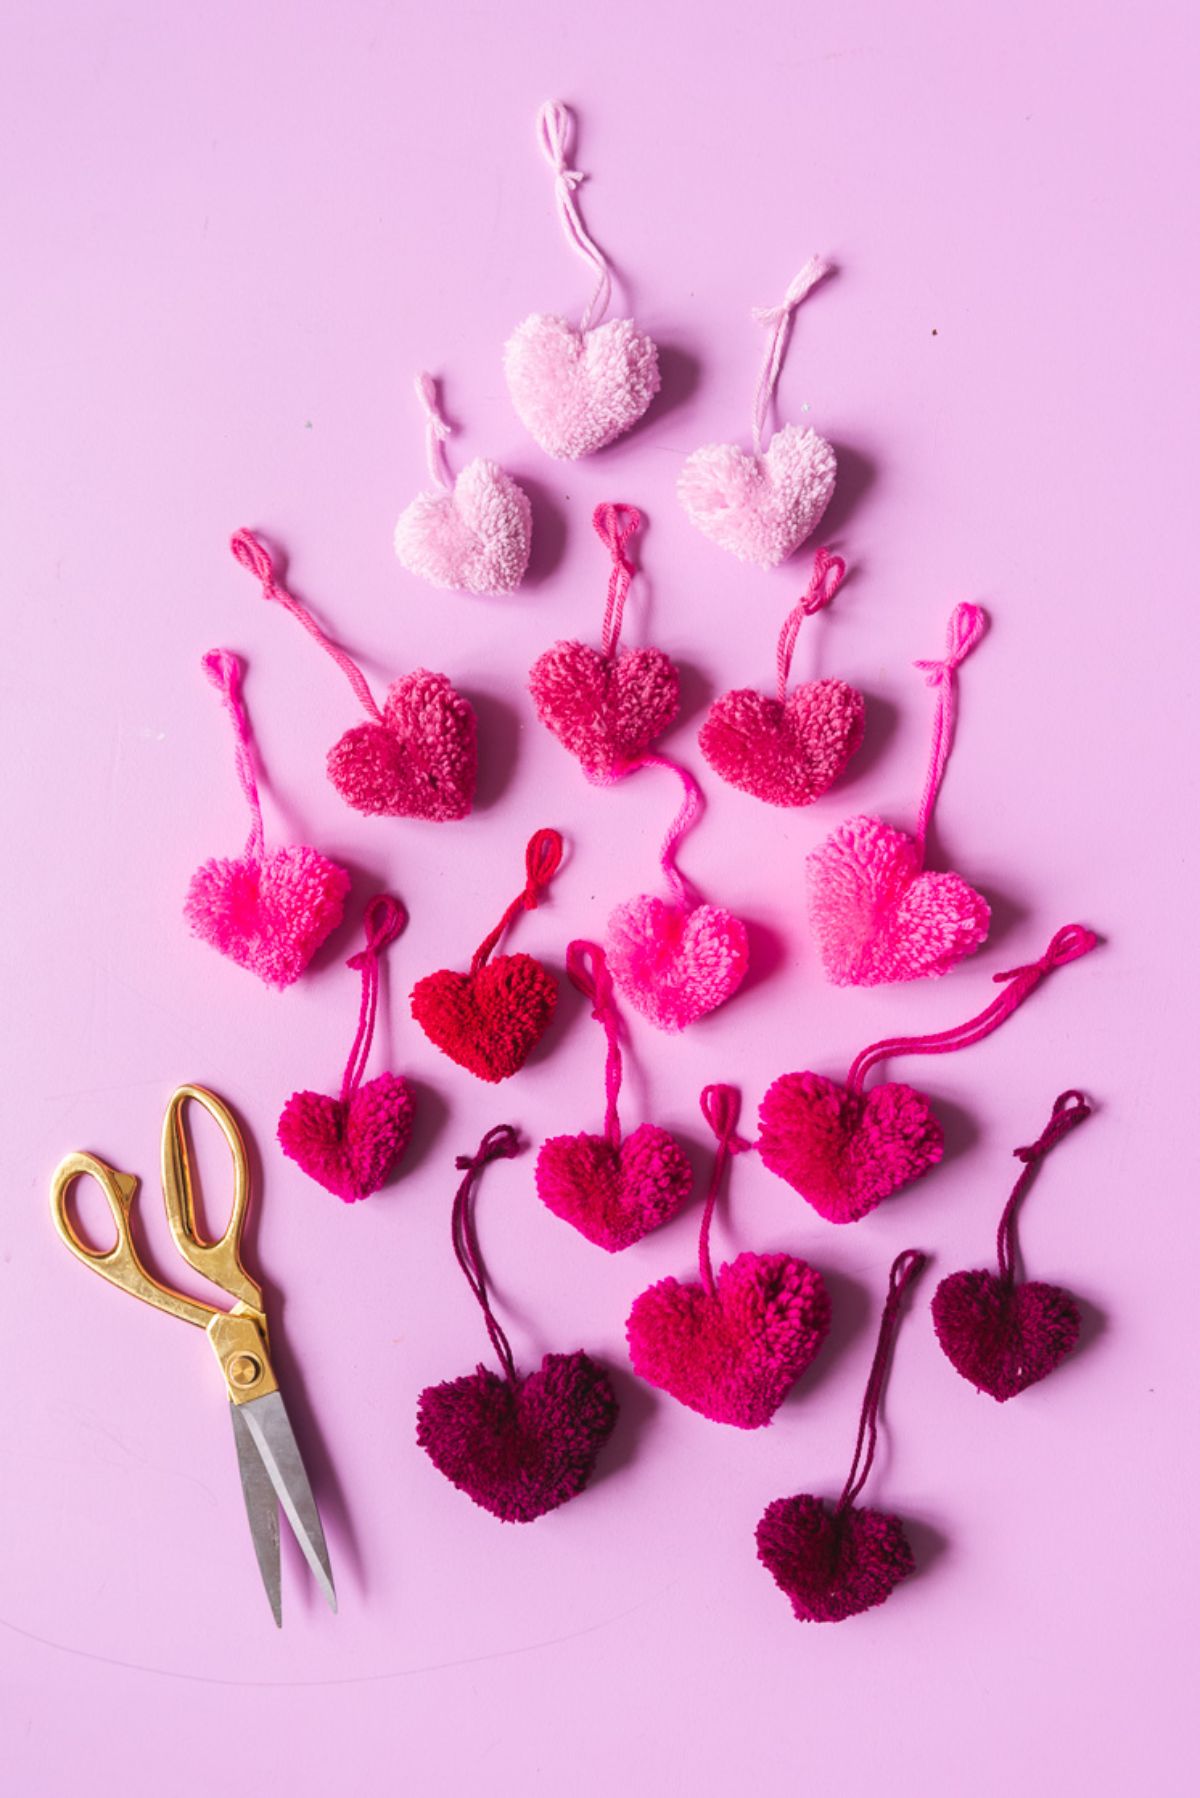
(879, 917)
(349, 1147)
(606, 710)
(789, 753)
(832, 1564)
(735, 1353)
(421, 762)
(761, 508)
(614, 1195)
(473, 539)
(519, 1447)
(488, 1021)
(576, 391)
(1004, 1336)
(843, 1151)
(675, 963)
(268, 914)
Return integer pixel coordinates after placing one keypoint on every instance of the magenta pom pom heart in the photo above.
(349, 1146)
(488, 1021)
(420, 762)
(474, 538)
(787, 753)
(268, 913)
(675, 962)
(1002, 1335)
(832, 1563)
(614, 1194)
(607, 710)
(575, 391)
(842, 1151)
(761, 508)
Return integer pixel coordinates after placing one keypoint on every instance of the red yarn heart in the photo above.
(519, 1447)
(614, 1194)
(1004, 1336)
(349, 1146)
(420, 762)
(845, 1151)
(789, 753)
(607, 710)
(832, 1563)
(490, 1020)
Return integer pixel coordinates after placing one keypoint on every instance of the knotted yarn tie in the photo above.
(556, 130)
(614, 524)
(587, 970)
(437, 429)
(721, 1107)
(1070, 1110)
(778, 322)
(256, 560)
(966, 627)
(828, 573)
(383, 920)
(905, 1268)
(500, 1144)
(223, 670)
(543, 858)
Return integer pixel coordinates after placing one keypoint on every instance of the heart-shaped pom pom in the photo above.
(521, 1447)
(760, 508)
(614, 1194)
(789, 753)
(832, 1564)
(421, 762)
(474, 538)
(606, 710)
(675, 962)
(268, 914)
(490, 1021)
(349, 1146)
(1004, 1336)
(843, 1151)
(577, 391)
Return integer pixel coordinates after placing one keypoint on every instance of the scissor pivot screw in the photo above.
(245, 1370)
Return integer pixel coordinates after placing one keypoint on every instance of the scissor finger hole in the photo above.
(89, 1217)
(209, 1167)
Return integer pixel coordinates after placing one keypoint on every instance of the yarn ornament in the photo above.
(732, 1345)
(416, 758)
(349, 1145)
(471, 533)
(613, 1190)
(834, 1563)
(676, 959)
(878, 915)
(576, 390)
(1001, 1333)
(521, 1444)
(762, 506)
(790, 749)
(607, 708)
(489, 1019)
(269, 910)
(845, 1149)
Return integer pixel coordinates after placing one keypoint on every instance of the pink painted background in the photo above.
(231, 234)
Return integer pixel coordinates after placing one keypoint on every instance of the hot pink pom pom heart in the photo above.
(878, 916)
(1004, 1335)
(522, 1447)
(761, 508)
(606, 710)
(474, 539)
(673, 963)
(421, 762)
(844, 1152)
(269, 915)
(735, 1353)
(614, 1195)
(832, 1564)
(489, 1021)
(349, 1146)
(789, 753)
(574, 392)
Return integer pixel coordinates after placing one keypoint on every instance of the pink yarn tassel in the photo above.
(587, 970)
(829, 571)
(721, 1106)
(253, 556)
(778, 321)
(615, 524)
(556, 129)
(966, 628)
(224, 671)
(436, 432)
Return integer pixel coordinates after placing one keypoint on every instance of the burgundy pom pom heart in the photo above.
(607, 710)
(614, 1194)
(787, 753)
(519, 1447)
(270, 913)
(488, 1021)
(845, 1151)
(420, 762)
(832, 1563)
(1004, 1336)
(349, 1146)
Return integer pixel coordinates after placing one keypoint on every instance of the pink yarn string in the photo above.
(966, 627)
(587, 970)
(615, 524)
(1070, 1110)
(778, 321)
(687, 815)
(256, 560)
(383, 920)
(224, 671)
(543, 858)
(436, 432)
(556, 130)
(828, 573)
(905, 1269)
(721, 1106)
(1066, 945)
(500, 1143)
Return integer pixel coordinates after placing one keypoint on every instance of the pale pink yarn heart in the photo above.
(673, 962)
(576, 391)
(760, 508)
(474, 538)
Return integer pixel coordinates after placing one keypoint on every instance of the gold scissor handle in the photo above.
(121, 1264)
(219, 1261)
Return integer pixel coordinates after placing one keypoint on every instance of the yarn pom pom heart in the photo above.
(576, 391)
(787, 753)
(349, 1146)
(606, 710)
(845, 1151)
(614, 1194)
(419, 761)
(832, 1564)
(760, 507)
(674, 962)
(474, 539)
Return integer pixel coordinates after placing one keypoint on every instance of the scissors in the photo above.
(268, 1457)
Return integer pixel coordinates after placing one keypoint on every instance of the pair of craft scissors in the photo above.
(268, 1457)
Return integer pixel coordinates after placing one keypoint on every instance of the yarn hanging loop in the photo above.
(828, 573)
(685, 818)
(437, 430)
(721, 1107)
(587, 970)
(556, 131)
(543, 858)
(778, 323)
(966, 628)
(383, 920)
(1070, 1110)
(224, 671)
(500, 1143)
(614, 524)
(904, 1270)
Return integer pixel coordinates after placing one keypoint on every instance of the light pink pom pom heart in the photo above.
(268, 914)
(349, 1146)
(607, 710)
(787, 753)
(474, 538)
(576, 391)
(842, 1151)
(760, 508)
(420, 761)
(614, 1193)
(675, 962)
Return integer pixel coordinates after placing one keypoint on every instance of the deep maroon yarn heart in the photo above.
(831, 1563)
(519, 1447)
(614, 1195)
(349, 1146)
(489, 1021)
(607, 710)
(1004, 1335)
(845, 1151)
(789, 753)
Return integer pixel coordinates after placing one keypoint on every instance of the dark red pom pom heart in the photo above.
(607, 710)
(831, 1564)
(789, 753)
(1003, 1335)
(349, 1146)
(841, 1151)
(519, 1448)
(489, 1021)
(614, 1196)
(420, 762)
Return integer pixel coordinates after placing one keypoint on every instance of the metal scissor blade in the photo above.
(267, 1421)
(262, 1508)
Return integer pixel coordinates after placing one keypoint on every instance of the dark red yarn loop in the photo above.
(501, 1143)
(543, 858)
(383, 920)
(905, 1268)
(1070, 1110)
(1066, 945)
